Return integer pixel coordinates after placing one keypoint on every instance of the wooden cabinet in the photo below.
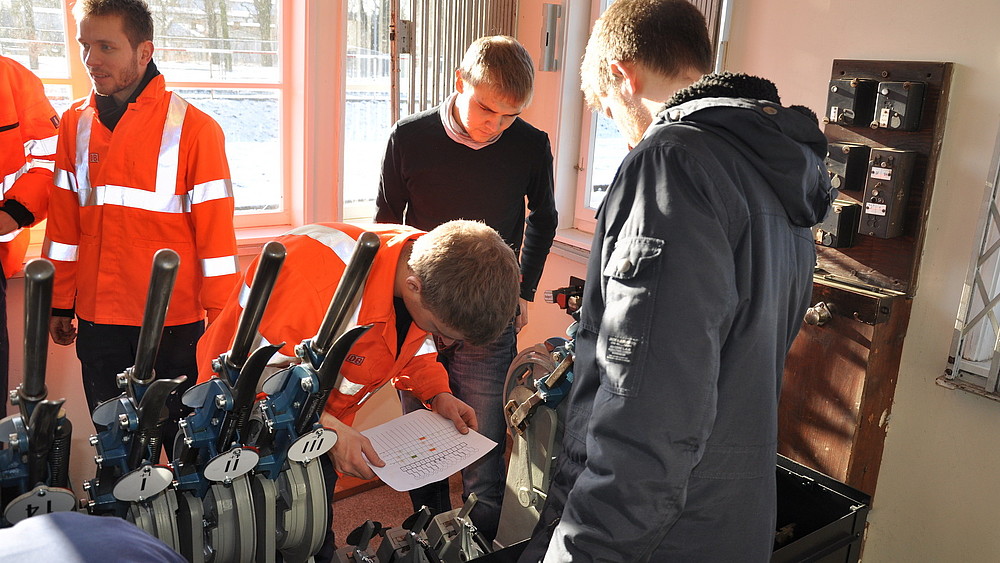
(840, 375)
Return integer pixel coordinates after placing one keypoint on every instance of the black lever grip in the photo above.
(243, 396)
(38, 275)
(348, 292)
(161, 286)
(41, 433)
(150, 413)
(271, 258)
(329, 377)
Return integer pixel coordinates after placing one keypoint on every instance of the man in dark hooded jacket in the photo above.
(699, 275)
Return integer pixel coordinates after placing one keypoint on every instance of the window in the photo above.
(223, 56)
(602, 147)
(368, 113)
(974, 364)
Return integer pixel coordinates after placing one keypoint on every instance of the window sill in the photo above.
(250, 240)
(573, 244)
(955, 384)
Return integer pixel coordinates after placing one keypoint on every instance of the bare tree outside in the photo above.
(262, 14)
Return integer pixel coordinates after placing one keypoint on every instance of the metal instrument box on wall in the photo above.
(899, 105)
(847, 164)
(839, 227)
(851, 102)
(886, 191)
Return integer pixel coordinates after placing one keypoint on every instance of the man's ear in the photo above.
(459, 83)
(145, 52)
(412, 284)
(628, 73)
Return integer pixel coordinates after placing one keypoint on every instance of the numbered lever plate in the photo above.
(311, 445)
(143, 483)
(40, 500)
(229, 465)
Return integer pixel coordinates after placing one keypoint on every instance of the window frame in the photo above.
(980, 302)
(584, 217)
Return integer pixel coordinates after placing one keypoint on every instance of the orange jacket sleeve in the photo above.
(210, 187)
(423, 375)
(62, 231)
(33, 127)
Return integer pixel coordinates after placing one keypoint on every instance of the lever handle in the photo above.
(818, 315)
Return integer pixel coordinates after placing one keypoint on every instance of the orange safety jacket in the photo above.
(315, 259)
(159, 180)
(28, 127)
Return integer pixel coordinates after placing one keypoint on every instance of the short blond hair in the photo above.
(665, 36)
(501, 63)
(469, 278)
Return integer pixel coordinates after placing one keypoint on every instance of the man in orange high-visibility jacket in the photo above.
(458, 282)
(137, 169)
(28, 126)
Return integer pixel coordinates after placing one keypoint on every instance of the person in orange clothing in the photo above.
(28, 127)
(137, 169)
(458, 282)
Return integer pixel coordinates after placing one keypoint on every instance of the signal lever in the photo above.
(35, 464)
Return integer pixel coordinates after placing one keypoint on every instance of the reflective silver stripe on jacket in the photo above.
(9, 179)
(216, 189)
(244, 296)
(164, 199)
(37, 148)
(340, 243)
(59, 251)
(427, 347)
(42, 147)
(221, 266)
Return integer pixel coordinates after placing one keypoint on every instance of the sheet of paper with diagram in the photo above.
(423, 447)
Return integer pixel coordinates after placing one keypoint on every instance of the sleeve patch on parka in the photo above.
(620, 349)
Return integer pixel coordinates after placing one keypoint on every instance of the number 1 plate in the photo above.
(143, 483)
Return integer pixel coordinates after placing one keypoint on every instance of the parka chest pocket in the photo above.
(632, 273)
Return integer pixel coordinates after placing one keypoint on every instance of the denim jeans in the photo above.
(476, 375)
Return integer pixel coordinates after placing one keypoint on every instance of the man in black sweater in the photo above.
(472, 157)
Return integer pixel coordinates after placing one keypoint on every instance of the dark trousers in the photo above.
(328, 551)
(107, 350)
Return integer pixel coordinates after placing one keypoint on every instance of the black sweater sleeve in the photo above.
(540, 225)
(390, 203)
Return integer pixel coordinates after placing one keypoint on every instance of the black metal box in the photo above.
(886, 191)
(898, 105)
(847, 164)
(840, 225)
(851, 102)
(820, 519)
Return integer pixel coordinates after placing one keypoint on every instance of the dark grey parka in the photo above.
(699, 275)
